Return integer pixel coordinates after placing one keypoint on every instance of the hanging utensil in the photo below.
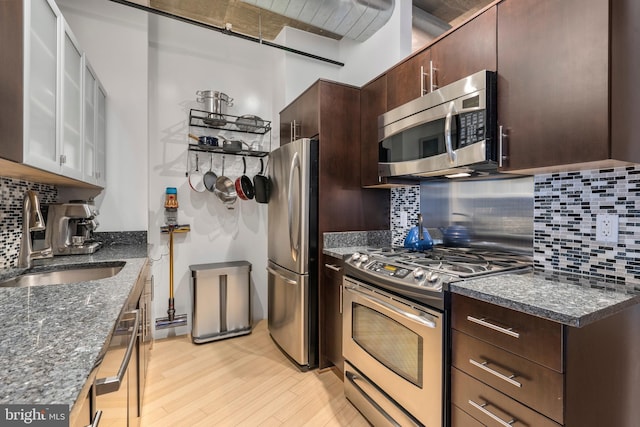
(225, 189)
(196, 179)
(210, 177)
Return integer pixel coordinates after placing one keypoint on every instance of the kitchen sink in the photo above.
(64, 275)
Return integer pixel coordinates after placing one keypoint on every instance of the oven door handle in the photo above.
(422, 320)
(111, 384)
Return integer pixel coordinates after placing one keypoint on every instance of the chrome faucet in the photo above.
(31, 221)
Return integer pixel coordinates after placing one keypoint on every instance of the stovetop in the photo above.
(427, 273)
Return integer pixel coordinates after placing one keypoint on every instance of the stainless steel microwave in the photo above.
(450, 130)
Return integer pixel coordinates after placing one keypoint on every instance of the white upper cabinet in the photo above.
(94, 128)
(49, 117)
(101, 136)
(41, 48)
(71, 160)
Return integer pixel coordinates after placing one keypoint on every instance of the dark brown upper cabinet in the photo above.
(567, 98)
(408, 80)
(373, 102)
(300, 118)
(465, 51)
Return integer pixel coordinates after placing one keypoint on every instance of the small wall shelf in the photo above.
(212, 149)
(221, 123)
(246, 124)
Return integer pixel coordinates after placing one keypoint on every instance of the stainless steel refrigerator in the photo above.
(293, 251)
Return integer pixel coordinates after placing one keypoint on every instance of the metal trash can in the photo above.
(221, 300)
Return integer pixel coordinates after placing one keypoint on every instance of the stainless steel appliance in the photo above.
(394, 328)
(69, 228)
(117, 383)
(450, 130)
(122, 369)
(221, 300)
(293, 251)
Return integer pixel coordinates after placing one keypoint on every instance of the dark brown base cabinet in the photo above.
(330, 112)
(331, 314)
(550, 375)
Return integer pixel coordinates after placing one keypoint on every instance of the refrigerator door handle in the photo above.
(294, 242)
(275, 273)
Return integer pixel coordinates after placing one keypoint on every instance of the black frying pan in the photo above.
(261, 185)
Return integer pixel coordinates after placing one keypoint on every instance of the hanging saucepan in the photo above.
(205, 140)
(196, 179)
(261, 186)
(210, 176)
(225, 189)
(233, 145)
(244, 186)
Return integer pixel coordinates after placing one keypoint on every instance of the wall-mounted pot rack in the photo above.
(213, 149)
(230, 123)
(206, 119)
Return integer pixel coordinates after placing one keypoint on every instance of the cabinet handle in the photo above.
(341, 298)
(483, 322)
(63, 159)
(96, 419)
(333, 267)
(501, 137)
(432, 77)
(423, 91)
(111, 384)
(483, 366)
(482, 409)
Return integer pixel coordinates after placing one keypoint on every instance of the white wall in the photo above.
(115, 39)
(183, 59)
(151, 67)
(366, 60)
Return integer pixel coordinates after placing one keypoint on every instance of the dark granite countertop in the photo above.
(52, 335)
(568, 299)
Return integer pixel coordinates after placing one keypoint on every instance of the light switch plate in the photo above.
(607, 228)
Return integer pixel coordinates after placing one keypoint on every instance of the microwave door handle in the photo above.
(447, 133)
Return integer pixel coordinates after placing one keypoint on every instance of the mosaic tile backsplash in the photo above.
(11, 194)
(565, 210)
(403, 199)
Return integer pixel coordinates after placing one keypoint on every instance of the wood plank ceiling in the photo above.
(261, 23)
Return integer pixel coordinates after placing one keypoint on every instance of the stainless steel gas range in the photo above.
(395, 323)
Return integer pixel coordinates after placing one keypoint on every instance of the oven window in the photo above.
(389, 342)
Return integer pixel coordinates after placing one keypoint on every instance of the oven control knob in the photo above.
(418, 273)
(355, 256)
(364, 258)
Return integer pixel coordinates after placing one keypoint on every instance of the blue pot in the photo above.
(456, 235)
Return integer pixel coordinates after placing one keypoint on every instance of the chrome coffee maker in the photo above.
(70, 227)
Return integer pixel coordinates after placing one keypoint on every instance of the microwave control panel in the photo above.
(472, 127)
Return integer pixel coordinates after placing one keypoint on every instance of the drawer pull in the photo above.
(488, 413)
(333, 267)
(483, 366)
(483, 322)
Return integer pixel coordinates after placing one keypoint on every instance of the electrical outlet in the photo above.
(403, 218)
(607, 228)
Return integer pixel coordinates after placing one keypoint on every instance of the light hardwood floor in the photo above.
(241, 381)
